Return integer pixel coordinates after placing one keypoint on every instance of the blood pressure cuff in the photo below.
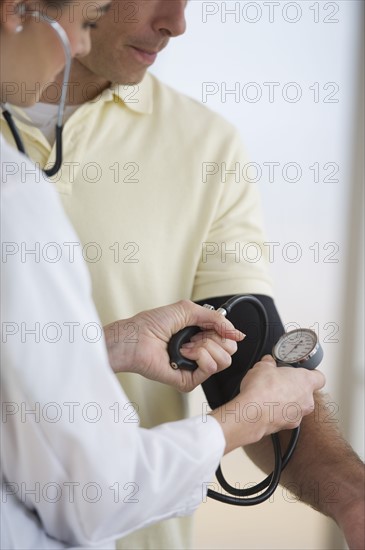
(223, 386)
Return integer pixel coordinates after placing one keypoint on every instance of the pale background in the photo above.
(312, 49)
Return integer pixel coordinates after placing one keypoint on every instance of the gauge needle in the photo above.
(296, 345)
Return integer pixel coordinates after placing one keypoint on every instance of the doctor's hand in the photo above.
(139, 344)
(281, 397)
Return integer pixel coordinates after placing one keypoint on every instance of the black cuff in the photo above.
(222, 387)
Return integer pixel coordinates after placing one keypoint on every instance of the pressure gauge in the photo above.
(298, 348)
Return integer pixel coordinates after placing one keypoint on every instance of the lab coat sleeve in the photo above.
(72, 445)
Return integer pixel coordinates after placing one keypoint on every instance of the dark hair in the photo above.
(56, 3)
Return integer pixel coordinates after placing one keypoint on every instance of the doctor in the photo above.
(76, 469)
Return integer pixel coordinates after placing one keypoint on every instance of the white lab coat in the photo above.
(76, 468)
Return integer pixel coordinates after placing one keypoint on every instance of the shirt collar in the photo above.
(137, 97)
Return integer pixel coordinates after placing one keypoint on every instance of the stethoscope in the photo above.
(6, 110)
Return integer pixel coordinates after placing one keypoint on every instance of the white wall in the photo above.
(294, 69)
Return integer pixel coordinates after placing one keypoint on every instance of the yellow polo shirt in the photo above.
(163, 200)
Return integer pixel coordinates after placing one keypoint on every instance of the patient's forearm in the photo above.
(324, 471)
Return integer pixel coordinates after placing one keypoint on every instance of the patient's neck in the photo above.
(83, 86)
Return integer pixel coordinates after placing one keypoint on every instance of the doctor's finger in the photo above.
(209, 355)
(228, 345)
(211, 320)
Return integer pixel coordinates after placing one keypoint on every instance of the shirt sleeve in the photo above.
(71, 443)
(234, 258)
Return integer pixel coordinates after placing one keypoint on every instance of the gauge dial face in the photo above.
(295, 345)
